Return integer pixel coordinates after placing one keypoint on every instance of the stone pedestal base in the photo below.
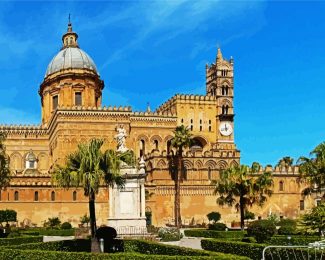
(132, 226)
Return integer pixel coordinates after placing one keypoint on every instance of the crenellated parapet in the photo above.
(281, 170)
(23, 130)
(185, 99)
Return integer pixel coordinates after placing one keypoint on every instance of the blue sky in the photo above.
(146, 51)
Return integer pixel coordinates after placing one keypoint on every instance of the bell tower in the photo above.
(220, 85)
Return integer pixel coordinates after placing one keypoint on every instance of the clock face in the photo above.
(225, 128)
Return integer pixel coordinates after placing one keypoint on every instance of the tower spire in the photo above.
(69, 39)
(219, 54)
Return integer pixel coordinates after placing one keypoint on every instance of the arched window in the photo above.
(16, 196)
(74, 196)
(36, 196)
(31, 160)
(155, 142)
(210, 126)
(52, 196)
(281, 186)
(191, 125)
(200, 124)
(78, 98)
(55, 102)
(226, 91)
(225, 109)
(142, 145)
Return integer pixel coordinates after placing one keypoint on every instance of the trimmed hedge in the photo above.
(48, 232)
(52, 255)
(255, 251)
(148, 247)
(20, 240)
(78, 245)
(214, 234)
(295, 240)
(134, 249)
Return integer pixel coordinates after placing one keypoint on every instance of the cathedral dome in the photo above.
(70, 58)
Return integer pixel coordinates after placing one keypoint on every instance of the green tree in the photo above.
(5, 175)
(313, 170)
(315, 219)
(214, 216)
(182, 139)
(8, 215)
(89, 168)
(52, 222)
(243, 187)
(285, 161)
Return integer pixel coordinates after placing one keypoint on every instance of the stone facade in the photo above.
(72, 113)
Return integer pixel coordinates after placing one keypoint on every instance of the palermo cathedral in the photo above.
(72, 113)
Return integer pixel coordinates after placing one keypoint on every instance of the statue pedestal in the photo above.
(127, 205)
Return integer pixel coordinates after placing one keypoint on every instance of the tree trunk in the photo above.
(92, 214)
(242, 212)
(178, 174)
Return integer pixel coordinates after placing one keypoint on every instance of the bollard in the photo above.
(101, 245)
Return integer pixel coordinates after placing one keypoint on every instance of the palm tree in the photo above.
(244, 187)
(5, 174)
(285, 161)
(89, 167)
(313, 169)
(182, 139)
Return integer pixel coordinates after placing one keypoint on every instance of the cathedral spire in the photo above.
(69, 39)
(219, 54)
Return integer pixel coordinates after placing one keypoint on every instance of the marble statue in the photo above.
(120, 138)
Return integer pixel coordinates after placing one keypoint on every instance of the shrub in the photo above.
(217, 226)
(287, 230)
(169, 234)
(274, 218)
(214, 216)
(66, 225)
(294, 240)
(249, 215)
(133, 249)
(152, 229)
(287, 222)
(52, 222)
(20, 240)
(287, 227)
(52, 255)
(261, 230)
(249, 240)
(147, 247)
(254, 251)
(215, 234)
(77, 245)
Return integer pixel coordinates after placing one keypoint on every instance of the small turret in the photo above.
(219, 54)
(69, 39)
